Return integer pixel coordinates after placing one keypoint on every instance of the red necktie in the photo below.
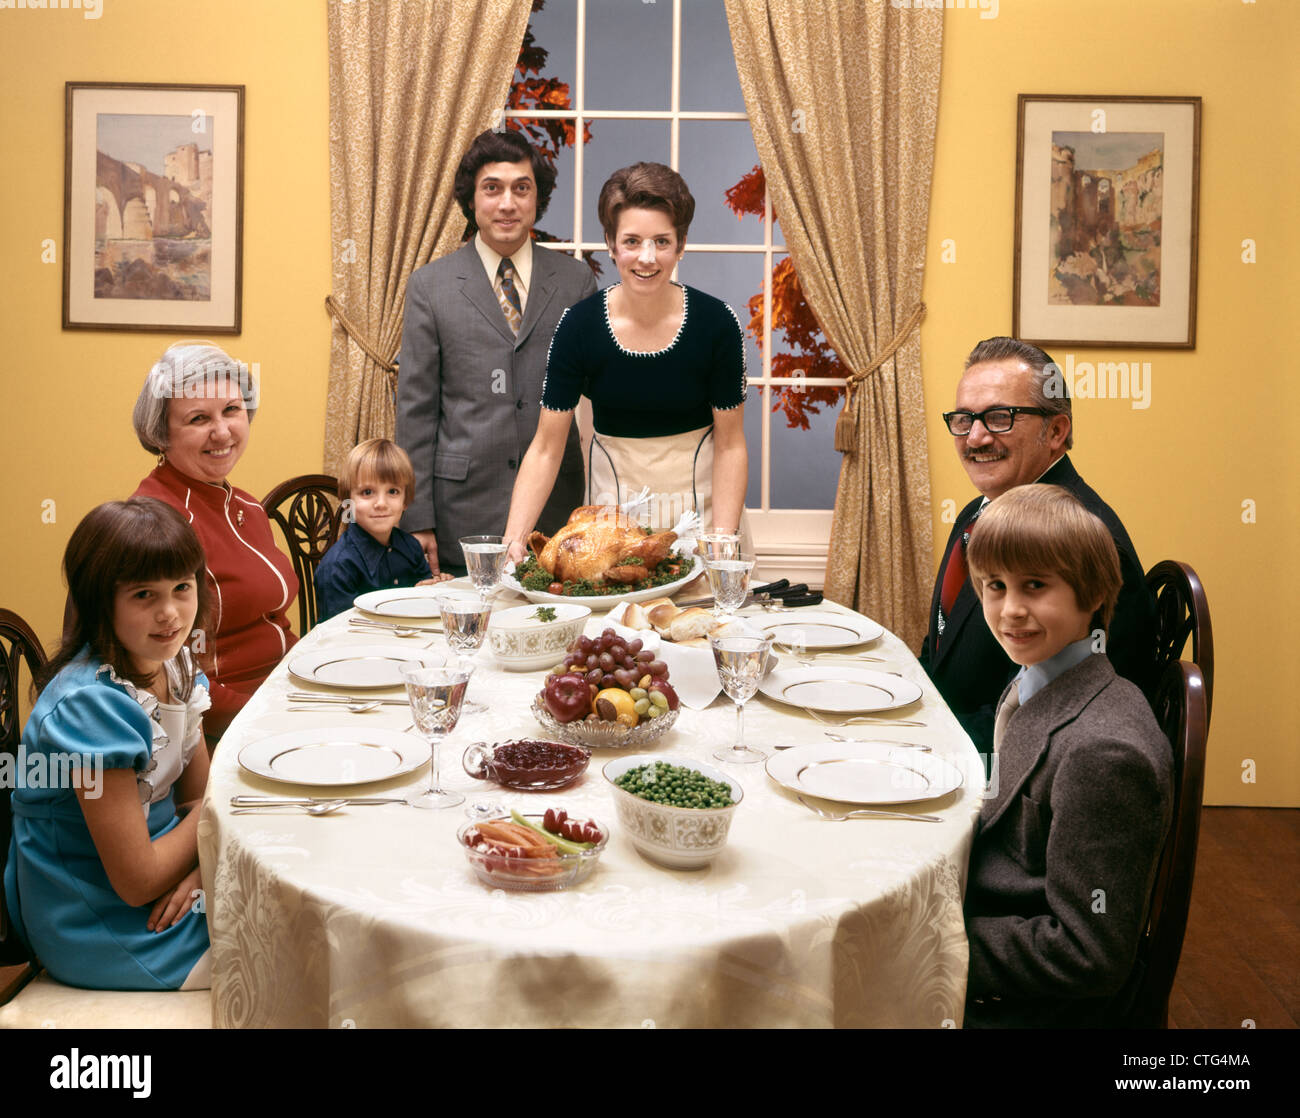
(954, 574)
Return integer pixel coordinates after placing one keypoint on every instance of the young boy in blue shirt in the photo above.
(1068, 842)
(373, 554)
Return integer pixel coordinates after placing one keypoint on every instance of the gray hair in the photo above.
(184, 372)
(1047, 387)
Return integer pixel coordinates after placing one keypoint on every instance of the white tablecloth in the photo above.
(372, 917)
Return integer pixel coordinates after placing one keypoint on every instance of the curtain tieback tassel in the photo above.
(846, 426)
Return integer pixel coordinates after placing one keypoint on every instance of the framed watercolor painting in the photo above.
(1107, 193)
(153, 207)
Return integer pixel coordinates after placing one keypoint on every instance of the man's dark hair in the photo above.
(499, 147)
(1047, 387)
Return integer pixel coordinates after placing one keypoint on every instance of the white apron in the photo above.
(677, 468)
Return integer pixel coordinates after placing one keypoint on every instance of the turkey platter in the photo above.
(601, 544)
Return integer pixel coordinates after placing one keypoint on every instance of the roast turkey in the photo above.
(594, 544)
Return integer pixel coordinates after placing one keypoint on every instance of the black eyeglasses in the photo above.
(997, 421)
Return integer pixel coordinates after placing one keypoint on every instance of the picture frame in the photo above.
(153, 204)
(1107, 209)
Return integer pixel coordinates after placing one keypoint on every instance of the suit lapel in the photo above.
(1030, 730)
(478, 291)
(541, 291)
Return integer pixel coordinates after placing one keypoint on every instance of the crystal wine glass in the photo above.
(465, 621)
(719, 545)
(729, 583)
(436, 696)
(485, 559)
(741, 662)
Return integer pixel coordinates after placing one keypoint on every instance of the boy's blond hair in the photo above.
(1044, 529)
(379, 459)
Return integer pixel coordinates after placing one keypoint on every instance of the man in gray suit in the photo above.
(477, 329)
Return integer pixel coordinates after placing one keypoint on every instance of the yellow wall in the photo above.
(1217, 432)
(66, 406)
(1219, 429)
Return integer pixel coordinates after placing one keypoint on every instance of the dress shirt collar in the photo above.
(1034, 679)
(368, 549)
(522, 261)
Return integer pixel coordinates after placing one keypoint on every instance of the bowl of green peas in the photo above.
(677, 811)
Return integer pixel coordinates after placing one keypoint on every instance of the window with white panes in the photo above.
(657, 81)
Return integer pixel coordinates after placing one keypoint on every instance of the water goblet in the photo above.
(436, 696)
(485, 560)
(729, 583)
(465, 621)
(741, 662)
(719, 545)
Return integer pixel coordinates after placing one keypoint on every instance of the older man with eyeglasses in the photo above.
(1013, 426)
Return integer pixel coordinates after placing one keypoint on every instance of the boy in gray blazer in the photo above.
(1065, 854)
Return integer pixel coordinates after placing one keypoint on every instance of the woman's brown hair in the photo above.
(646, 186)
(137, 540)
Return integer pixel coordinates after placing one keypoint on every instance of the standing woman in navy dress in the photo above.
(663, 365)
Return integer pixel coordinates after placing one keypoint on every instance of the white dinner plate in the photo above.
(839, 690)
(332, 756)
(864, 773)
(602, 601)
(411, 601)
(812, 628)
(361, 666)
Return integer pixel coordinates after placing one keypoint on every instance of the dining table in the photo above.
(370, 916)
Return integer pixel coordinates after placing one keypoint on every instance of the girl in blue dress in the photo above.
(102, 878)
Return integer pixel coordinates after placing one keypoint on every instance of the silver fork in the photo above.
(880, 741)
(868, 813)
(861, 720)
(799, 652)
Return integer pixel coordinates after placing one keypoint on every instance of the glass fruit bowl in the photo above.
(604, 735)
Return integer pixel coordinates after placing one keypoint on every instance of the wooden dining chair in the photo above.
(308, 513)
(1182, 709)
(18, 644)
(1182, 613)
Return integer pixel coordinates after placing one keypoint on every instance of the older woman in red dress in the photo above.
(194, 412)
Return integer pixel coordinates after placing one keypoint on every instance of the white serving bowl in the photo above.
(685, 838)
(523, 644)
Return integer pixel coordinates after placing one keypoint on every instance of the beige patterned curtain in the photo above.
(411, 84)
(843, 98)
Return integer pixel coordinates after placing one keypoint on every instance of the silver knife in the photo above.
(366, 623)
(313, 697)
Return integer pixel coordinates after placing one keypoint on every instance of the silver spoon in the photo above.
(881, 741)
(390, 632)
(867, 813)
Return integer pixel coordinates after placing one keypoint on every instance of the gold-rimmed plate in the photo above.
(334, 756)
(818, 629)
(361, 667)
(865, 773)
(408, 603)
(839, 690)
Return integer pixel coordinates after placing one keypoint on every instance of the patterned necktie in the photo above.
(1009, 706)
(508, 296)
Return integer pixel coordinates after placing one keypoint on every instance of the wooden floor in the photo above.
(1241, 957)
